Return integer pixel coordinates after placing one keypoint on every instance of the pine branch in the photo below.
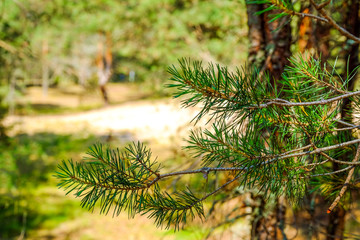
(286, 10)
(221, 92)
(252, 119)
(331, 173)
(129, 181)
(313, 71)
(114, 180)
(285, 103)
(285, 7)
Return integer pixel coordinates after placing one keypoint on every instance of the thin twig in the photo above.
(299, 149)
(337, 161)
(311, 16)
(293, 13)
(219, 188)
(146, 167)
(316, 164)
(324, 4)
(331, 21)
(346, 183)
(347, 124)
(345, 129)
(320, 150)
(285, 103)
(332, 173)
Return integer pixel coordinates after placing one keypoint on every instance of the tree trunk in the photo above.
(321, 34)
(313, 35)
(45, 68)
(104, 62)
(269, 51)
(256, 35)
(336, 226)
(278, 45)
(264, 223)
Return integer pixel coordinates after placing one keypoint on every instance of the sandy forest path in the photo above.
(145, 120)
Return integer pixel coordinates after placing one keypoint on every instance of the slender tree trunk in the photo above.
(104, 62)
(263, 224)
(336, 225)
(352, 23)
(45, 67)
(11, 96)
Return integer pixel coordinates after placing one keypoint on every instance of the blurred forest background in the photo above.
(78, 72)
(52, 55)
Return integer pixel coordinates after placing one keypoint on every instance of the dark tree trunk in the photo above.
(336, 225)
(321, 34)
(104, 94)
(264, 222)
(256, 35)
(352, 23)
(313, 35)
(269, 51)
(278, 44)
(270, 43)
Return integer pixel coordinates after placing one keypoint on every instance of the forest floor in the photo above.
(162, 124)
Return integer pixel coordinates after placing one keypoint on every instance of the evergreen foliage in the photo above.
(280, 140)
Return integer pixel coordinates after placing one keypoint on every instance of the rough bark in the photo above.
(269, 51)
(264, 223)
(321, 34)
(313, 35)
(256, 35)
(278, 46)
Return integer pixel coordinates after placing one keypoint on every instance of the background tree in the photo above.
(315, 35)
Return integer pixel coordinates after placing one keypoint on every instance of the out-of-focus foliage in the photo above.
(26, 163)
(60, 38)
(146, 35)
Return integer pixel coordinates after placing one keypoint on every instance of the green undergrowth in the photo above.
(30, 202)
(32, 206)
(29, 198)
(48, 109)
